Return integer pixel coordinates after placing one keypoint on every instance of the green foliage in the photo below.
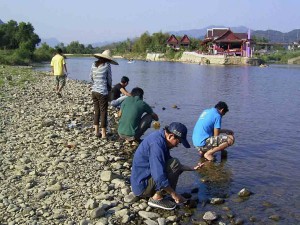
(8, 35)
(19, 56)
(21, 39)
(154, 43)
(4, 56)
(142, 43)
(75, 48)
(15, 76)
(61, 46)
(13, 35)
(195, 44)
(43, 53)
(258, 39)
(146, 43)
(280, 56)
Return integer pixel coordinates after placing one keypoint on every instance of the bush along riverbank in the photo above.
(53, 170)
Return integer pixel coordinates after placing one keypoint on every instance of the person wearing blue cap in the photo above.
(155, 172)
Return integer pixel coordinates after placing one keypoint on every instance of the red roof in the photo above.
(185, 40)
(228, 36)
(172, 40)
(243, 36)
(216, 32)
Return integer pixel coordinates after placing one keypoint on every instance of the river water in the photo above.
(264, 104)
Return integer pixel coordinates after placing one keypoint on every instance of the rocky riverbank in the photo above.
(53, 170)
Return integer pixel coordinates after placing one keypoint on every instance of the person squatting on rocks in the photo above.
(115, 95)
(208, 137)
(154, 172)
(135, 116)
(101, 77)
(58, 65)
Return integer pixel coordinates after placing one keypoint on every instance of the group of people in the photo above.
(135, 114)
(154, 172)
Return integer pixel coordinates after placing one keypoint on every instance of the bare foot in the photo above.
(208, 157)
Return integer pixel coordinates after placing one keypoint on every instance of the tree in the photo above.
(9, 30)
(158, 43)
(61, 46)
(140, 46)
(14, 35)
(43, 53)
(25, 34)
(195, 44)
(75, 48)
(89, 49)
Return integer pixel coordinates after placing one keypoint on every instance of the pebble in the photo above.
(210, 216)
(244, 193)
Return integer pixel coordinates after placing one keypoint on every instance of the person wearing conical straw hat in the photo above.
(101, 77)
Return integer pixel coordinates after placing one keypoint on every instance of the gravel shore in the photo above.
(54, 170)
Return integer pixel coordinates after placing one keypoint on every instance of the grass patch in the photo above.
(16, 76)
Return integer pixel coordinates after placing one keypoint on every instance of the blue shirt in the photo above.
(101, 78)
(150, 160)
(204, 128)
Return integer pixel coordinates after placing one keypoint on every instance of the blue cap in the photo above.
(180, 131)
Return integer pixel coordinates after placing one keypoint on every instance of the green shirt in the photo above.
(132, 110)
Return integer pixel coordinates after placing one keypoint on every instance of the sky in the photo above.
(92, 21)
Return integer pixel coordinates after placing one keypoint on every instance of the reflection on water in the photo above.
(216, 179)
(263, 113)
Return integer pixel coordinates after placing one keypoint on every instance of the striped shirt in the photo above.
(101, 78)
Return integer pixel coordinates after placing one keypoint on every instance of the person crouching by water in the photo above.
(120, 88)
(101, 77)
(135, 116)
(208, 137)
(58, 65)
(154, 172)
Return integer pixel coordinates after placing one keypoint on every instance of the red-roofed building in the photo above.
(215, 32)
(224, 41)
(175, 44)
(185, 41)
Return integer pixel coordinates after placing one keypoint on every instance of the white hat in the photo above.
(106, 55)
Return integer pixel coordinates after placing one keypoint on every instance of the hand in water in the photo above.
(198, 166)
(179, 199)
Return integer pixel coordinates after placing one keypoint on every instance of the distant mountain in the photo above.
(200, 33)
(272, 35)
(100, 44)
(275, 36)
(52, 42)
(1, 22)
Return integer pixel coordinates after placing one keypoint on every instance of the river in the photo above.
(264, 104)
